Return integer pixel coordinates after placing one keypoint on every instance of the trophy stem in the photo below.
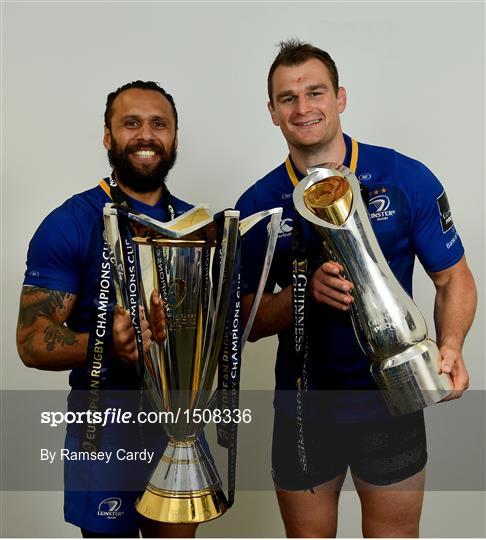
(184, 488)
(411, 381)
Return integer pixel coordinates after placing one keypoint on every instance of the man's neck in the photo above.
(332, 152)
(151, 198)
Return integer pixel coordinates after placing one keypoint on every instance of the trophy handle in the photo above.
(273, 227)
(196, 220)
(213, 342)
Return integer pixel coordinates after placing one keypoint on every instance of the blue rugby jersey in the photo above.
(410, 216)
(65, 255)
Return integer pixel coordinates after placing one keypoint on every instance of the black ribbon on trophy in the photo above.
(100, 335)
(300, 295)
(229, 366)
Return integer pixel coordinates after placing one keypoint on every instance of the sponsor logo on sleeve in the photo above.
(445, 212)
(110, 508)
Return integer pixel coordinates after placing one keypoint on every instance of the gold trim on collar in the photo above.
(105, 187)
(354, 156)
(352, 164)
(291, 172)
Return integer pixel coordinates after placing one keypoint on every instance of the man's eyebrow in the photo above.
(135, 116)
(285, 93)
(320, 86)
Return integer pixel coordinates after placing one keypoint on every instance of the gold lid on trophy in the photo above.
(330, 199)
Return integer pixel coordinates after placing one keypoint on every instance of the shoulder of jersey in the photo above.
(181, 206)
(271, 188)
(388, 165)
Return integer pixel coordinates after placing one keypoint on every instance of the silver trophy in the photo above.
(192, 269)
(388, 325)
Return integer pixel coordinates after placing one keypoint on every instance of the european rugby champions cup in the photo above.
(388, 325)
(191, 262)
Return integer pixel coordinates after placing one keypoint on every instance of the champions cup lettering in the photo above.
(132, 288)
(97, 348)
(235, 335)
(100, 331)
(159, 261)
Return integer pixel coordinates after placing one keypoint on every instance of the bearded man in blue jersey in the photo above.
(386, 455)
(57, 315)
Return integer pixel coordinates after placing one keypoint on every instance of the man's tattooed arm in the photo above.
(43, 340)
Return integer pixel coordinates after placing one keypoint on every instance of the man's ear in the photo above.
(107, 138)
(342, 99)
(273, 114)
(176, 140)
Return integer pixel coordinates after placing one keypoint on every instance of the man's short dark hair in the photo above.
(293, 53)
(142, 85)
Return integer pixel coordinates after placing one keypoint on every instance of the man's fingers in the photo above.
(322, 292)
(144, 324)
(155, 298)
(147, 340)
(121, 319)
(332, 266)
(330, 301)
(330, 274)
(447, 363)
(455, 394)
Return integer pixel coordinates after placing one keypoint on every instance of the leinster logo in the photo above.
(177, 292)
(110, 508)
(379, 205)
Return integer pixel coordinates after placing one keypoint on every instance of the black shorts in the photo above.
(378, 452)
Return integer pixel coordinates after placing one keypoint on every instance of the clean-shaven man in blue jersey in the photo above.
(58, 306)
(386, 455)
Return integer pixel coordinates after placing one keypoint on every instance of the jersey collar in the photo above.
(350, 161)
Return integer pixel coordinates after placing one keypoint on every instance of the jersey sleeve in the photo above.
(54, 255)
(253, 245)
(434, 236)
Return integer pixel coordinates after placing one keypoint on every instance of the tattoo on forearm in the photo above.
(28, 344)
(61, 335)
(37, 302)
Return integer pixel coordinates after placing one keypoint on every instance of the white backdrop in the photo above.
(414, 73)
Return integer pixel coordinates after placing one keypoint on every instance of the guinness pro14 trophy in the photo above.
(388, 325)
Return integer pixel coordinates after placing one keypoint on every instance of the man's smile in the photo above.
(144, 156)
(145, 153)
(308, 123)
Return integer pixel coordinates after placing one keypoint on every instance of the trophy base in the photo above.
(176, 508)
(184, 488)
(410, 381)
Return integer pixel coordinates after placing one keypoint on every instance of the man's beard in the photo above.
(144, 178)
